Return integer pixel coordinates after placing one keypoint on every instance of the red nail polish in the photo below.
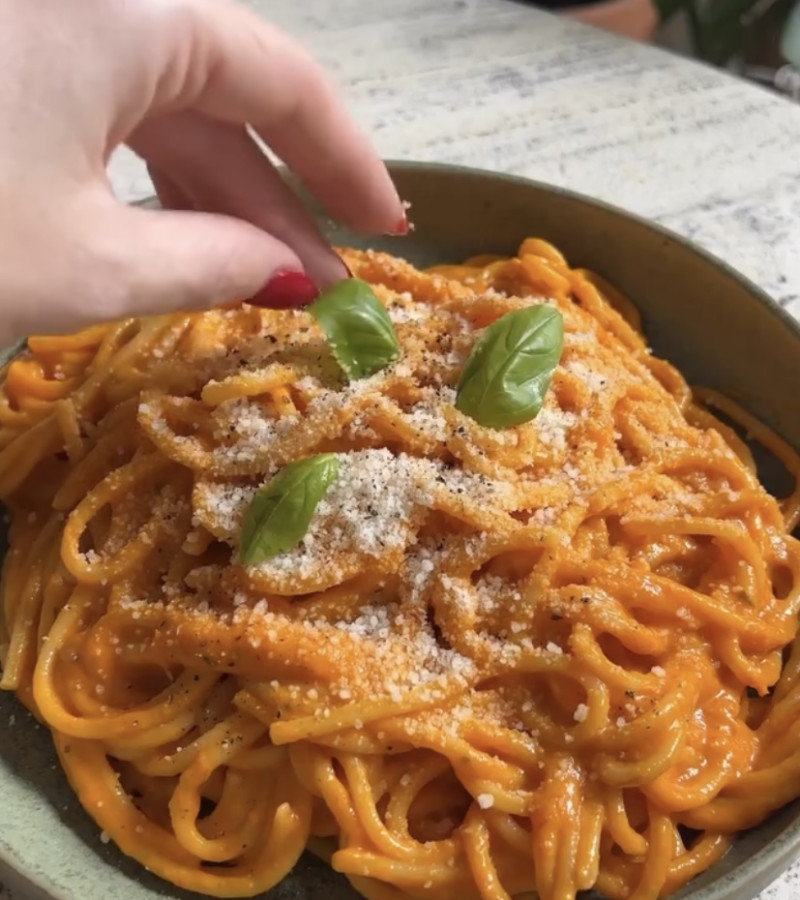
(401, 227)
(285, 290)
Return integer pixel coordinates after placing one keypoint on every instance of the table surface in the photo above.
(499, 85)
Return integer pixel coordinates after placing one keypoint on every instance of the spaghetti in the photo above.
(546, 658)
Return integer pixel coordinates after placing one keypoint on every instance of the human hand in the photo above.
(177, 80)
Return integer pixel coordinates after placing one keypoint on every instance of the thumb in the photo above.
(168, 261)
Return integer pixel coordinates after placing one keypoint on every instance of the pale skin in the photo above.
(178, 81)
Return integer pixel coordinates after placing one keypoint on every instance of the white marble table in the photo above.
(497, 84)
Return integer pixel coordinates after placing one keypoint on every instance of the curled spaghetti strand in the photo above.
(540, 660)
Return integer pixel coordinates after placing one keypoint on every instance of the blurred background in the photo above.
(755, 39)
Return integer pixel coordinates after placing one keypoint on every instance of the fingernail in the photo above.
(285, 290)
(401, 227)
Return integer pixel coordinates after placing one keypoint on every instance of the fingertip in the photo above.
(191, 260)
(372, 207)
(328, 270)
(401, 227)
(286, 289)
(357, 190)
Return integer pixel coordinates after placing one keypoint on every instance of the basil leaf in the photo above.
(280, 513)
(358, 328)
(509, 369)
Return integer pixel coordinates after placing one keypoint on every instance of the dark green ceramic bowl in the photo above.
(719, 329)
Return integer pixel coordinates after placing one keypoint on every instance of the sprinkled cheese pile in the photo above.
(369, 511)
(408, 536)
(553, 425)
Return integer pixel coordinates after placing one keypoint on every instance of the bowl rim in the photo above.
(766, 864)
(445, 168)
(619, 212)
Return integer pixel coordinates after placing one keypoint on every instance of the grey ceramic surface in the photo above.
(722, 332)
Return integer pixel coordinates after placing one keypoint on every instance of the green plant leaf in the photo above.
(509, 369)
(281, 511)
(358, 328)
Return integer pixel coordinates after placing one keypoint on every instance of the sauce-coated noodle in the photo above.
(546, 658)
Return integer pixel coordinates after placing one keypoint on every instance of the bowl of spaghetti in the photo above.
(475, 581)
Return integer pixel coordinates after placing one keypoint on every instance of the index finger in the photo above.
(240, 69)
